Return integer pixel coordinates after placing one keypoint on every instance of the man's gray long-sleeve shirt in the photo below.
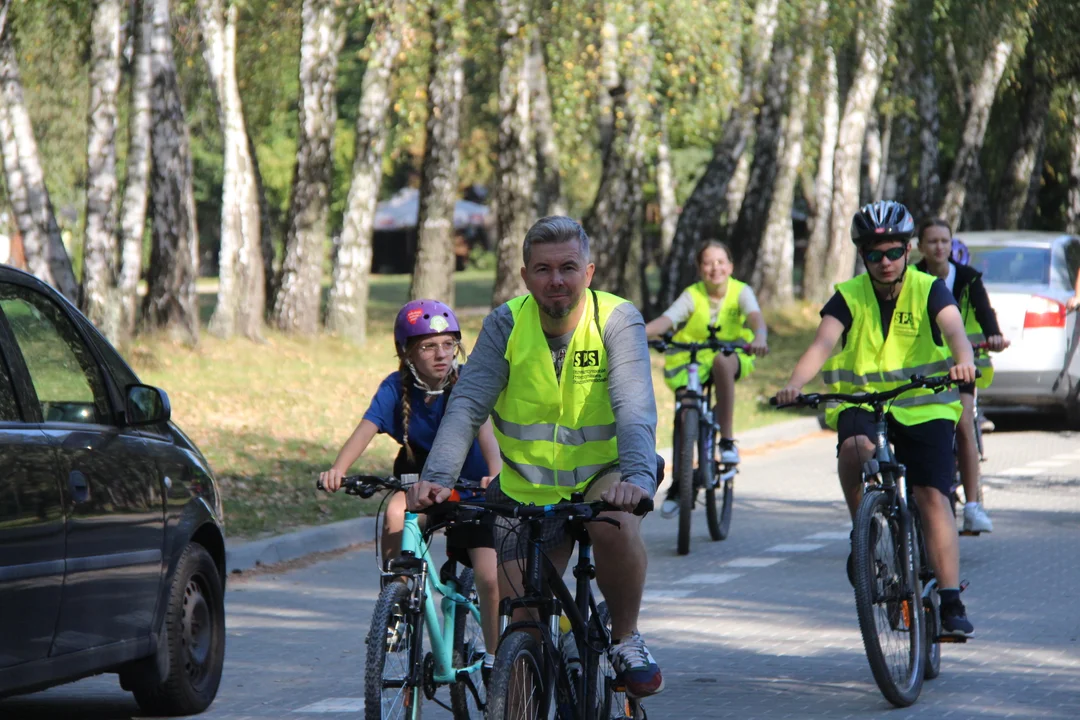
(485, 375)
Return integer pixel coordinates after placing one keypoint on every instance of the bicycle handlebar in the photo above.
(918, 381)
(720, 346)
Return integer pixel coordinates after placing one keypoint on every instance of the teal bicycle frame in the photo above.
(441, 635)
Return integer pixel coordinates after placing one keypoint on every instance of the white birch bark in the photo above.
(665, 187)
(815, 286)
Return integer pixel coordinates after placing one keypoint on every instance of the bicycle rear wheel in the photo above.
(468, 649)
(684, 473)
(718, 500)
(516, 690)
(888, 600)
(931, 602)
(395, 630)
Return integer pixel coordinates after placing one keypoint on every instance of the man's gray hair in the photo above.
(554, 229)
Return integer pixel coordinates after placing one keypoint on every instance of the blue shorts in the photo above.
(925, 450)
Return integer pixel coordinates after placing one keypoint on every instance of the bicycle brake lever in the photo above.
(609, 521)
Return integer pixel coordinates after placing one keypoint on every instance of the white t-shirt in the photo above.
(950, 280)
(683, 307)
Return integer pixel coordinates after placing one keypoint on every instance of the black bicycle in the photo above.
(695, 440)
(891, 578)
(540, 671)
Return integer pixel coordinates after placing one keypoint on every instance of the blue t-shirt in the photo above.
(385, 413)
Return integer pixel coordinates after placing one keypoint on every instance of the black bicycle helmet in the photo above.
(885, 219)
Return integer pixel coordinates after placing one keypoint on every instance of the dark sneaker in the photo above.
(635, 668)
(954, 621)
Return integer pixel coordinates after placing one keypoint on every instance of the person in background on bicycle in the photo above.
(409, 406)
(564, 373)
(717, 299)
(893, 322)
(946, 258)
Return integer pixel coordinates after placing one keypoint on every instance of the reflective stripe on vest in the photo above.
(555, 432)
(732, 323)
(976, 336)
(871, 362)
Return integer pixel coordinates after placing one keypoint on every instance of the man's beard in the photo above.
(558, 313)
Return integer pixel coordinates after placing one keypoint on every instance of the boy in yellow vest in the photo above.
(564, 374)
(894, 322)
(717, 300)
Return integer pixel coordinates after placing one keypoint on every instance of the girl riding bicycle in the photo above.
(716, 300)
(409, 406)
(946, 258)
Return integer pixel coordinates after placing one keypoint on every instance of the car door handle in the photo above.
(80, 486)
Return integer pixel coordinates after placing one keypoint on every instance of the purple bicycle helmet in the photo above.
(960, 254)
(423, 317)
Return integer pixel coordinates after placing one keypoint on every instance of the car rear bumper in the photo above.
(1030, 388)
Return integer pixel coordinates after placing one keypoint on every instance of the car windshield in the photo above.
(1012, 265)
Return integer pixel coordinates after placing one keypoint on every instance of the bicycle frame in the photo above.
(889, 476)
(440, 634)
(539, 572)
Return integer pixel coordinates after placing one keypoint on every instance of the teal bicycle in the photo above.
(399, 674)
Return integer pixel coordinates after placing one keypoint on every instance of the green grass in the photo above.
(270, 416)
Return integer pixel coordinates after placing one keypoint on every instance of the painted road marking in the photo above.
(839, 535)
(334, 705)
(662, 595)
(708, 578)
(1048, 463)
(753, 562)
(1020, 472)
(795, 547)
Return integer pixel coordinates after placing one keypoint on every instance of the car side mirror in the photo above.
(146, 405)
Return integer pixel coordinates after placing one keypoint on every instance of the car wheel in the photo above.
(194, 642)
(1072, 415)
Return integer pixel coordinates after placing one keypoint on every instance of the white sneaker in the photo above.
(976, 519)
(729, 454)
(670, 508)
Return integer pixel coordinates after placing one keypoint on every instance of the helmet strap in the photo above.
(419, 383)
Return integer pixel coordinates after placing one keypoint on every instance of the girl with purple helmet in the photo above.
(409, 406)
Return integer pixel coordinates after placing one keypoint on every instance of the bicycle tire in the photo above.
(468, 648)
(609, 703)
(931, 603)
(886, 592)
(390, 618)
(516, 689)
(684, 474)
(718, 512)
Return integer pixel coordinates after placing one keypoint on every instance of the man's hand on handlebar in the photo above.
(423, 494)
(962, 373)
(624, 496)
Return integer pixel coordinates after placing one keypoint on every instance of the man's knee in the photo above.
(607, 537)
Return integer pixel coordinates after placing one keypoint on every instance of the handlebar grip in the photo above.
(319, 485)
(773, 401)
(645, 505)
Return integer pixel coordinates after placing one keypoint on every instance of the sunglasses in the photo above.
(876, 256)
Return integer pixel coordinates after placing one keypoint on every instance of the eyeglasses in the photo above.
(429, 349)
(876, 256)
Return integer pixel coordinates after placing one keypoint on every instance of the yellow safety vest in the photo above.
(732, 323)
(975, 336)
(869, 362)
(555, 433)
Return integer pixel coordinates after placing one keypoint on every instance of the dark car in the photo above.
(112, 553)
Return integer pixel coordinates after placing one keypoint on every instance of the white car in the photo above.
(1029, 276)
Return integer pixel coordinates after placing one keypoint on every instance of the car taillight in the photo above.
(1044, 313)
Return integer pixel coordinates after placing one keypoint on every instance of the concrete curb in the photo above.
(240, 555)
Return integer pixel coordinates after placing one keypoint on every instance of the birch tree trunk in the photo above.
(1072, 204)
(978, 117)
(840, 259)
(815, 285)
(709, 199)
(753, 215)
(549, 196)
(99, 248)
(171, 302)
(347, 310)
(870, 172)
(433, 273)
(296, 306)
(132, 227)
(610, 221)
(665, 187)
(514, 181)
(44, 250)
(1019, 185)
(929, 180)
(241, 300)
(773, 273)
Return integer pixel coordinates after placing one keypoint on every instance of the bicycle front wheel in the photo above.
(395, 631)
(718, 501)
(888, 600)
(608, 700)
(468, 649)
(684, 473)
(516, 689)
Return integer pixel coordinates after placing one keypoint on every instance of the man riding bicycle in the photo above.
(893, 320)
(564, 374)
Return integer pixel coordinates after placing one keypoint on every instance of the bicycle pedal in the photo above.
(959, 639)
(970, 533)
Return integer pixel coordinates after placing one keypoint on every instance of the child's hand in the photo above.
(485, 481)
(759, 347)
(331, 479)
